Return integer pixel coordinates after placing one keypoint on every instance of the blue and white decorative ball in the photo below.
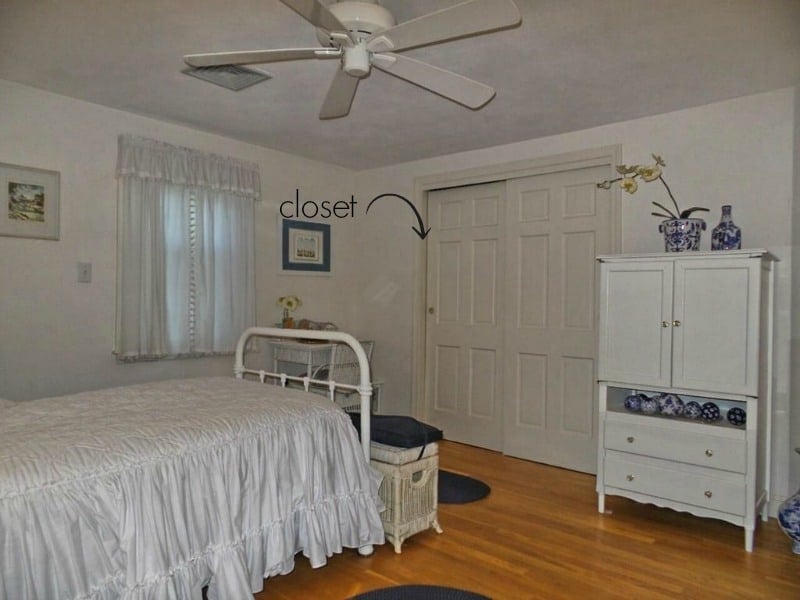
(710, 412)
(737, 416)
(649, 405)
(633, 402)
(670, 405)
(692, 410)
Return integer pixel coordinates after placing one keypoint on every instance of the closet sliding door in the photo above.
(465, 283)
(556, 225)
(511, 324)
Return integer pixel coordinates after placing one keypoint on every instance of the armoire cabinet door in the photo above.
(635, 322)
(715, 325)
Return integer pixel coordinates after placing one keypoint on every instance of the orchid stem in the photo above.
(669, 191)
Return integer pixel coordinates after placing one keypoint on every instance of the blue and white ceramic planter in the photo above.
(681, 235)
(789, 518)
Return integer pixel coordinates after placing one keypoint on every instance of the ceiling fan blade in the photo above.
(467, 18)
(453, 86)
(216, 59)
(340, 96)
(316, 13)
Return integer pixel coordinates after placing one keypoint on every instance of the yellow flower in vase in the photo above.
(681, 230)
(289, 305)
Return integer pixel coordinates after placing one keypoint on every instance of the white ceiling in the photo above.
(571, 64)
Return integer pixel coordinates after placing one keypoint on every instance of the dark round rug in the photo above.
(419, 592)
(459, 489)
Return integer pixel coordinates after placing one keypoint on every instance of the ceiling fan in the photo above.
(363, 34)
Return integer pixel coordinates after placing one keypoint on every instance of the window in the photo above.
(185, 251)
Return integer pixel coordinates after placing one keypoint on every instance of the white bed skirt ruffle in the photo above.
(156, 490)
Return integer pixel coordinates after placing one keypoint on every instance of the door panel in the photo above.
(532, 275)
(557, 225)
(712, 349)
(465, 295)
(638, 322)
(484, 282)
(448, 301)
(531, 383)
(446, 376)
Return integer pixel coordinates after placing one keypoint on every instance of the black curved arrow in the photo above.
(421, 232)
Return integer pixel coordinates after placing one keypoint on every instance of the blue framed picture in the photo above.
(306, 246)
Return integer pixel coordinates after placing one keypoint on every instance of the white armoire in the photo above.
(697, 325)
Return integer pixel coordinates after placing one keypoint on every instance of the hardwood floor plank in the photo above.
(538, 535)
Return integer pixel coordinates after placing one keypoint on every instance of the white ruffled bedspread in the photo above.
(153, 491)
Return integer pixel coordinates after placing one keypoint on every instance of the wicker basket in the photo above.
(409, 492)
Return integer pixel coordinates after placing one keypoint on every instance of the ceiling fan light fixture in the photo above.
(356, 61)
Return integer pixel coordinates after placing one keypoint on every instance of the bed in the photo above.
(159, 490)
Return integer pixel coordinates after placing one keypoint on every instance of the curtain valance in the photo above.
(150, 159)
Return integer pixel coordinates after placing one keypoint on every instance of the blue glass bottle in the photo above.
(726, 235)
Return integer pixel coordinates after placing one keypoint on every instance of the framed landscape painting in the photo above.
(30, 202)
(306, 246)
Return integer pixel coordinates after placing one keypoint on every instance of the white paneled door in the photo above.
(512, 288)
(465, 320)
(556, 225)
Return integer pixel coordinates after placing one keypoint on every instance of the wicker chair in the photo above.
(343, 368)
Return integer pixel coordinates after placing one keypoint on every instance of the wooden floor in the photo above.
(539, 535)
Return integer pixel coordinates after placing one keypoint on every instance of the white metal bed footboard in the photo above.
(364, 388)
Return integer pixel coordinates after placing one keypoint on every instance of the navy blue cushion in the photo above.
(398, 431)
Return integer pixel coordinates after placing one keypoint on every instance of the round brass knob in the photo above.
(630, 439)
(709, 453)
(631, 478)
(708, 494)
(665, 323)
(430, 310)
(676, 323)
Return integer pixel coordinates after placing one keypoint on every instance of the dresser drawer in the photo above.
(675, 443)
(661, 479)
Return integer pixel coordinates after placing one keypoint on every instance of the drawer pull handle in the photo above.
(708, 494)
(709, 453)
(665, 323)
(630, 439)
(631, 478)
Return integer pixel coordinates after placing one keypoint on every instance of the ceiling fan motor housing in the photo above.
(362, 19)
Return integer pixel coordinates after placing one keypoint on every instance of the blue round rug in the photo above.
(460, 489)
(419, 592)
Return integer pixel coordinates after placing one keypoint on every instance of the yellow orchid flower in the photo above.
(649, 173)
(629, 184)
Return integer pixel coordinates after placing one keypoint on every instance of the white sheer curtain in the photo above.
(186, 283)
